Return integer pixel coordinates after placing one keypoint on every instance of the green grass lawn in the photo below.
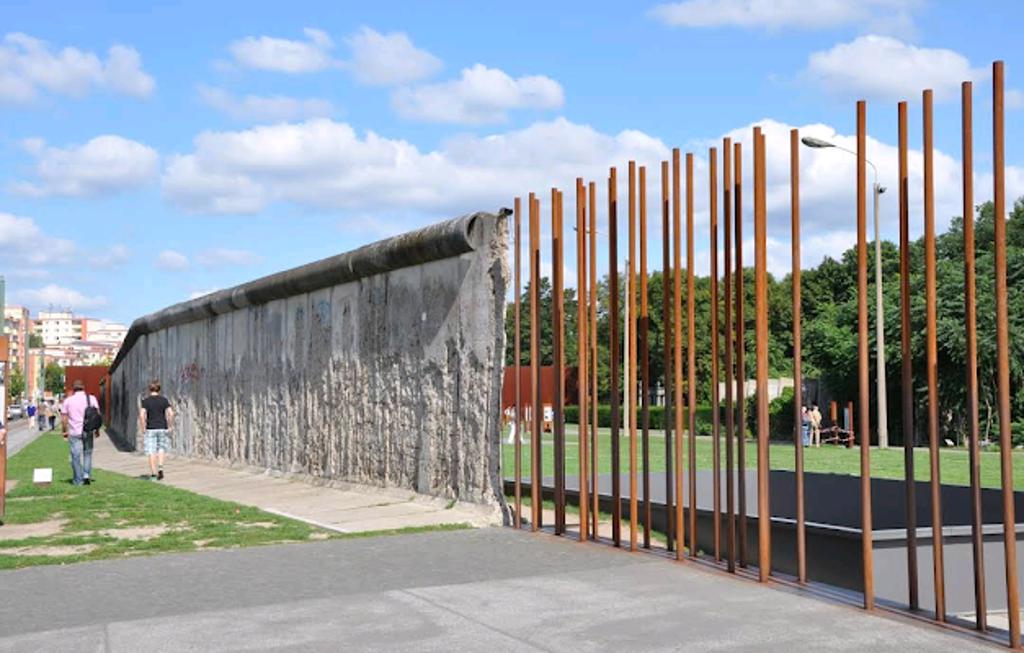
(829, 459)
(120, 516)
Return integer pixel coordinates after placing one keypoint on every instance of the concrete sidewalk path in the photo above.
(491, 589)
(345, 508)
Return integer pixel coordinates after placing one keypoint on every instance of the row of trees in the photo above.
(829, 307)
(53, 381)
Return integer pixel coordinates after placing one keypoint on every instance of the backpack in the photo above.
(92, 421)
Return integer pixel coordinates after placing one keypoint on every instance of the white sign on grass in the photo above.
(42, 475)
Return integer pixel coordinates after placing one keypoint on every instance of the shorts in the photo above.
(155, 440)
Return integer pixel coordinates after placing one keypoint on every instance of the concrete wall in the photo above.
(381, 366)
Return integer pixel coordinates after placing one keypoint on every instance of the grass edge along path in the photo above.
(120, 516)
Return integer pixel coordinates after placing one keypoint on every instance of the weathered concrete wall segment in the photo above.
(381, 366)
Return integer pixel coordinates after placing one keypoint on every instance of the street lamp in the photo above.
(883, 429)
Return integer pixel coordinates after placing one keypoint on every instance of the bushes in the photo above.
(780, 416)
(657, 417)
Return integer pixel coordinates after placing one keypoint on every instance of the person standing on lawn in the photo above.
(78, 432)
(156, 418)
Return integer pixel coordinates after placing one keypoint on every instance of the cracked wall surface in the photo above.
(381, 366)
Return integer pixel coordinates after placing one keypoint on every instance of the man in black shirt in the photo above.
(156, 419)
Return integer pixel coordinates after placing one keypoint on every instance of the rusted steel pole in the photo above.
(1003, 350)
(592, 332)
(970, 323)
(862, 359)
(691, 357)
(518, 424)
(764, 516)
(741, 372)
(677, 349)
(666, 321)
(645, 371)
(932, 360)
(716, 465)
(632, 352)
(558, 347)
(613, 311)
(907, 369)
(798, 379)
(535, 411)
(581, 348)
(730, 379)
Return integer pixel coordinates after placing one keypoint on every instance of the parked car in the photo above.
(15, 411)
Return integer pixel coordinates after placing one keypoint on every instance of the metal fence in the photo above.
(729, 529)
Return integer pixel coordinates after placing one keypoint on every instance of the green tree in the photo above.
(15, 384)
(53, 378)
(35, 341)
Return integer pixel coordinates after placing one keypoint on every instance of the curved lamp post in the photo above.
(883, 430)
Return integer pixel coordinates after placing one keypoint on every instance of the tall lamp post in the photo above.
(883, 429)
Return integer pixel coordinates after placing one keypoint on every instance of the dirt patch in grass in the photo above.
(257, 524)
(51, 550)
(48, 528)
(10, 485)
(138, 533)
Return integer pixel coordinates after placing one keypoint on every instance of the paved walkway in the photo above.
(491, 589)
(348, 509)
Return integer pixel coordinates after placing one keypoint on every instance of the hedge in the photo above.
(656, 417)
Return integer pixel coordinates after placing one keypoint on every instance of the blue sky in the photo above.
(149, 154)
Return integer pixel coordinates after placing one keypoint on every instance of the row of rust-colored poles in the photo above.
(681, 416)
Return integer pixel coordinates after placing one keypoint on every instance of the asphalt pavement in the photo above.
(491, 589)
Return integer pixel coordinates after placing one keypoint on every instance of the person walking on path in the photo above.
(156, 418)
(31, 410)
(79, 431)
(53, 410)
(43, 414)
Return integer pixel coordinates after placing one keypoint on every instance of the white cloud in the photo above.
(172, 260)
(218, 256)
(779, 14)
(480, 95)
(326, 164)
(264, 108)
(284, 55)
(113, 257)
(388, 59)
(106, 164)
(884, 68)
(58, 297)
(26, 245)
(28, 66)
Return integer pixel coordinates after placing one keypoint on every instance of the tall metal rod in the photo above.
(613, 311)
(691, 357)
(741, 348)
(970, 323)
(592, 332)
(764, 516)
(645, 371)
(730, 380)
(677, 349)
(518, 424)
(558, 353)
(535, 412)
(907, 369)
(666, 322)
(581, 349)
(798, 380)
(862, 359)
(932, 360)
(716, 463)
(1003, 350)
(631, 349)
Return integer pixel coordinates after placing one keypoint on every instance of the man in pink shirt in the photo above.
(79, 440)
